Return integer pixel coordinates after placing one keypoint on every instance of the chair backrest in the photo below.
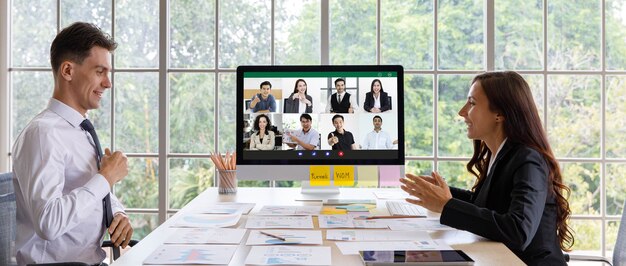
(619, 252)
(390, 105)
(7, 219)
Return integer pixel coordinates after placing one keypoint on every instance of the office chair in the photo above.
(619, 251)
(8, 227)
(390, 105)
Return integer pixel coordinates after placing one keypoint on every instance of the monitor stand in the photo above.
(318, 190)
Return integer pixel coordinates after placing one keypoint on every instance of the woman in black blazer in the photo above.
(376, 92)
(298, 96)
(518, 196)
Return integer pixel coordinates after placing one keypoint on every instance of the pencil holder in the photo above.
(227, 181)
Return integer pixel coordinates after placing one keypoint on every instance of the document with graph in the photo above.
(287, 222)
(288, 255)
(205, 236)
(191, 254)
(207, 220)
(284, 237)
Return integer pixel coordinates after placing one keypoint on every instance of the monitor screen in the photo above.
(294, 116)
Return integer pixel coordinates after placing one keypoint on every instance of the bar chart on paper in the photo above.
(191, 254)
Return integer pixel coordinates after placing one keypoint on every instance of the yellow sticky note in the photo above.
(344, 175)
(320, 175)
(332, 210)
(367, 175)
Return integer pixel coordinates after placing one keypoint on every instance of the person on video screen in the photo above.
(341, 139)
(341, 101)
(377, 100)
(305, 139)
(299, 101)
(263, 137)
(263, 102)
(378, 139)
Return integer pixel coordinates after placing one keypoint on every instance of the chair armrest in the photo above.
(109, 244)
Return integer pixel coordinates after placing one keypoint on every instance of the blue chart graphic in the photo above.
(193, 255)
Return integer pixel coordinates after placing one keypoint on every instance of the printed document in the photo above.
(288, 255)
(292, 237)
(288, 222)
(205, 236)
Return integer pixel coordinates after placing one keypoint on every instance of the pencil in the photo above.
(272, 235)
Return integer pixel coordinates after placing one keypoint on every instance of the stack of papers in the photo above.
(417, 224)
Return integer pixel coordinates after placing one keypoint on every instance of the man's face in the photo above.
(338, 123)
(378, 123)
(265, 90)
(340, 86)
(90, 79)
(305, 123)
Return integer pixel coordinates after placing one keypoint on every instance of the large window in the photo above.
(174, 83)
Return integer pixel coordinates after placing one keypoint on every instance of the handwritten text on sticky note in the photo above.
(344, 175)
(319, 175)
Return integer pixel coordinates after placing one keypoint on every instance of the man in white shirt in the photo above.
(60, 185)
(341, 101)
(378, 139)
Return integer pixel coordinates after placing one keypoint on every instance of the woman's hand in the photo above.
(432, 193)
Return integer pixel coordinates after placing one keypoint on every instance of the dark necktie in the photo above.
(106, 202)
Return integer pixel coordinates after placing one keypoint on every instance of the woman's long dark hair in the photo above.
(372, 86)
(509, 94)
(267, 127)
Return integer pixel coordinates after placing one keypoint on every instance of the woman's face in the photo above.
(376, 87)
(262, 123)
(301, 87)
(481, 122)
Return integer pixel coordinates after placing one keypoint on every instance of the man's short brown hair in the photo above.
(75, 42)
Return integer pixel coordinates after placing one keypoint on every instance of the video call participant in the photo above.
(306, 138)
(299, 101)
(341, 139)
(63, 182)
(378, 139)
(263, 137)
(341, 101)
(518, 198)
(263, 102)
(377, 100)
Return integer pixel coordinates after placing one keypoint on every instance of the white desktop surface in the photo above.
(483, 251)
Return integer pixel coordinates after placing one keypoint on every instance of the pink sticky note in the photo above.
(389, 175)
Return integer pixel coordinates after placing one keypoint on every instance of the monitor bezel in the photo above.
(320, 68)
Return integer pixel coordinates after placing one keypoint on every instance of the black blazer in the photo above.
(369, 101)
(291, 106)
(513, 205)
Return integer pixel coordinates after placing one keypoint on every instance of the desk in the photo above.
(483, 251)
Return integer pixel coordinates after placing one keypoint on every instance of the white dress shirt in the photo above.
(493, 158)
(58, 190)
(378, 141)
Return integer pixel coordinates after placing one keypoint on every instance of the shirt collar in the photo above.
(64, 111)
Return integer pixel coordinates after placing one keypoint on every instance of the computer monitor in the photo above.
(274, 109)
